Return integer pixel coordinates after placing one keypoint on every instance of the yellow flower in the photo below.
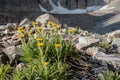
(57, 45)
(40, 28)
(57, 27)
(22, 31)
(21, 36)
(27, 27)
(39, 39)
(70, 30)
(40, 44)
(46, 63)
(50, 23)
(35, 23)
(29, 33)
(20, 28)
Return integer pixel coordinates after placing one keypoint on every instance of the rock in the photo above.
(3, 58)
(97, 70)
(11, 26)
(114, 34)
(13, 53)
(20, 66)
(113, 49)
(85, 41)
(43, 19)
(25, 22)
(85, 33)
(116, 41)
(112, 59)
(5, 33)
(2, 27)
(14, 43)
(99, 53)
(100, 49)
(5, 44)
(15, 36)
(92, 51)
(6, 38)
(100, 37)
(100, 76)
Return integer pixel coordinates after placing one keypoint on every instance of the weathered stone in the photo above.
(85, 41)
(112, 59)
(3, 58)
(6, 38)
(84, 33)
(2, 27)
(5, 44)
(97, 70)
(43, 19)
(113, 49)
(15, 36)
(12, 52)
(100, 37)
(25, 22)
(92, 51)
(20, 66)
(116, 41)
(114, 34)
(5, 33)
(11, 26)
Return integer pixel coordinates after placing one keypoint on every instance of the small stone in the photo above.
(11, 26)
(113, 49)
(20, 66)
(92, 51)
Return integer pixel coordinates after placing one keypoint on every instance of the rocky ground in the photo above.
(96, 52)
(98, 42)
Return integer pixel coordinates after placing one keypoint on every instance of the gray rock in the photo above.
(6, 38)
(14, 42)
(13, 52)
(114, 34)
(100, 76)
(116, 41)
(92, 51)
(15, 36)
(97, 70)
(20, 66)
(5, 44)
(25, 22)
(43, 19)
(11, 26)
(112, 59)
(3, 58)
(2, 27)
(5, 33)
(100, 37)
(85, 41)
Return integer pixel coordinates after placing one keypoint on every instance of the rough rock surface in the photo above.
(85, 41)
